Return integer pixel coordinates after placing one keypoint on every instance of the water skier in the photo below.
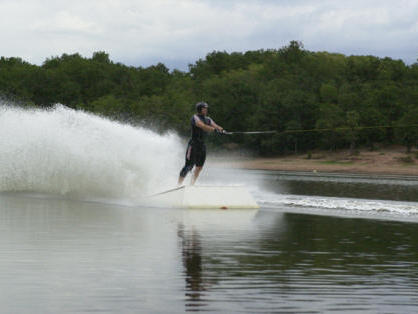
(196, 149)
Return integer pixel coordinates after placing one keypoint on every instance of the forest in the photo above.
(314, 100)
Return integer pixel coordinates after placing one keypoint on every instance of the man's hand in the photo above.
(220, 131)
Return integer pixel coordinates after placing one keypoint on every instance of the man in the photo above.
(196, 149)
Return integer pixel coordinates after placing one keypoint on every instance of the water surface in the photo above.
(299, 253)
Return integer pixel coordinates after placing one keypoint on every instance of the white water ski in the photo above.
(204, 196)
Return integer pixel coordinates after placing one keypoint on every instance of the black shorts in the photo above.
(195, 154)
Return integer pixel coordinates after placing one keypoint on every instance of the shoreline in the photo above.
(388, 162)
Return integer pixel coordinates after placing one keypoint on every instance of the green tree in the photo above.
(352, 121)
(407, 129)
(328, 93)
(292, 135)
(330, 118)
(372, 118)
(276, 89)
(110, 106)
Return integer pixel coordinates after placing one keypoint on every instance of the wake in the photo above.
(74, 153)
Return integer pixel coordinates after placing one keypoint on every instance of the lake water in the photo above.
(320, 243)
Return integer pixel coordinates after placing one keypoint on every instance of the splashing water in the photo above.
(73, 153)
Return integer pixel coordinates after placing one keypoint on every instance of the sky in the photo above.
(179, 32)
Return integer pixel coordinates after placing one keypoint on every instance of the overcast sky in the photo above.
(179, 32)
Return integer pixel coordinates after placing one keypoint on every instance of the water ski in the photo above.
(205, 196)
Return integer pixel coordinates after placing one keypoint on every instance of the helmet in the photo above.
(200, 106)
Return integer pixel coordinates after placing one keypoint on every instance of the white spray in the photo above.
(73, 153)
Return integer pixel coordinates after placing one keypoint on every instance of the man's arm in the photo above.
(205, 127)
(217, 127)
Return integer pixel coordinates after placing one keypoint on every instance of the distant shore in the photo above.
(385, 162)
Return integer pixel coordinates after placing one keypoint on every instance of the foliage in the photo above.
(408, 135)
(343, 101)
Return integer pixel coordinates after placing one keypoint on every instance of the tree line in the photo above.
(314, 100)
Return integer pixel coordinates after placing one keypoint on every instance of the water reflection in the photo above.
(296, 262)
(88, 257)
(191, 250)
(199, 232)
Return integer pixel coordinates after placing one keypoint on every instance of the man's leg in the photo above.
(186, 169)
(180, 181)
(196, 174)
(200, 161)
(188, 165)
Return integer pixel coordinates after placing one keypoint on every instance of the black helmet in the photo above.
(200, 106)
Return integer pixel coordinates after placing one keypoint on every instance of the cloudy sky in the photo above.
(179, 32)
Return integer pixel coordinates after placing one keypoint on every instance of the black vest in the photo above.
(198, 134)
